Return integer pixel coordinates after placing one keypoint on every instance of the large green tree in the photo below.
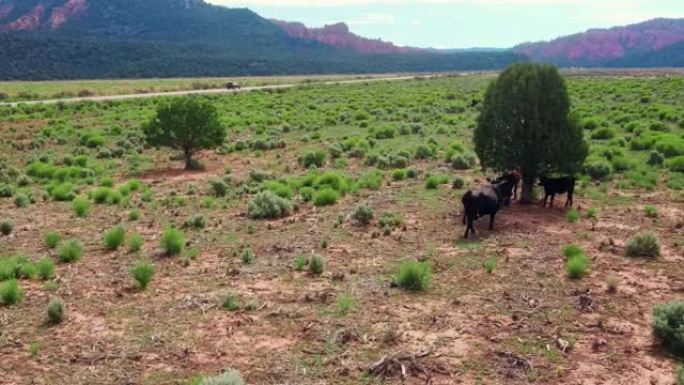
(525, 124)
(189, 124)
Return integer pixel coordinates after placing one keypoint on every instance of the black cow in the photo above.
(510, 189)
(486, 200)
(553, 186)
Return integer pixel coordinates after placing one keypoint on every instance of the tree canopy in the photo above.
(188, 124)
(525, 124)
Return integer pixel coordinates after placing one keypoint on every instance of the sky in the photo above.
(464, 23)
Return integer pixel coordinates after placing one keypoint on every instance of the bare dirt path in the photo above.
(198, 92)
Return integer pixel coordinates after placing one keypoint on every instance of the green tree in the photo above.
(188, 124)
(525, 124)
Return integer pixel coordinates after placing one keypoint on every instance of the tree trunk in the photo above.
(187, 155)
(526, 196)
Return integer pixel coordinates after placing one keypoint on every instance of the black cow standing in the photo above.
(510, 189)
(553, 186)
(486, 200)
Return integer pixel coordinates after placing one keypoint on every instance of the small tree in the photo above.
(188, 124)
(525, 124)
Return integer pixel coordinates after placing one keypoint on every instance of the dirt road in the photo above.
(197, 92)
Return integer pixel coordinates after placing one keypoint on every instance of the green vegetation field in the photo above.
(325, 236)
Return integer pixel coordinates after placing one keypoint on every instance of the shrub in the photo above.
(248, 256)
(345, 303)
(134, 215)
(570, 251)
(390, 220)
(142, 274)
(70, 251)
(325, 197)
(230, 377)
(314, 158)
(268, 205)
(52, 239)
(650, 211)
(316, 265)
(231, 303)
(45, 268)
(414, 275)
(399, 175)
(577, 265)
(432, 182)
(645, 244)
(300, 262)
(172, 241)
(100, 194)
(81, 206)
(572, 216)
(412, 173)
(598, 169)
(10, 292)
(218, 188)
(603, 133)
(197, 221)
(462, 161)
(655, 158)
(591, 213)
(63, 192)
(489, 265)
(280, 189)
(114, 238)
(55, 311)
(6, 227)
(363, 214)
(457, 183)
(135, 243)
(676, 164)
(21, 200)
(668, 326)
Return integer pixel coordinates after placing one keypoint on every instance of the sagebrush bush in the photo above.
(314, 158)
(142, 273)
(598, 169)
(81, 206)
(300, 262)
(655, 158)
(52, 239)
(230, 377)
(676, 164)
(248, 256)
(231, 303)
(325, 197)
(172, 241)
(218, 188)
(45, 268)
(399, 174)
(10, 292)
(668, 326)
(63, 192)
(56, 310)
(268, 205)
(577, 266)
(316, 265)
(70, 251)
(457, 183)
(572, 216)
(650, 211)
(363, 214)
(6, 227)
(645, 244)
(114, 238)
(197, 221)
(414, 275)
(570, 251)
(135, 243)
(134, 215)
(21, 200)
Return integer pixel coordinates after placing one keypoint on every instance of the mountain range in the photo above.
(62, 39)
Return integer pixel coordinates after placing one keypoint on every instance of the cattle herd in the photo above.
(489, 199)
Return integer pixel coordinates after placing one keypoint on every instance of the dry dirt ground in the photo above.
(525, 323)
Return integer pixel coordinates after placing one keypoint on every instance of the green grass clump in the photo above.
(432, 182)
(134, 215)
(570, 251)
(668, 326)
(314, 158)
(248, 256)
(268, 205)
(572, 216)
(51, 239)
(142, 273)
(363, 215)
(56, 310)
(172, 241)
(70, 251)
(490, 265)
(21, 200)
(63, 192)
(135, 243)
(345, 303)
(651, 211)
(325, 197)
(399, 174)
(577, 266)
(591, 213)
(231, 303)
(45, 268)
(10, 292)
(316, 265)
(114, 238)
(81, 206)
(230, 377)
(6, 227)
(414, 275)
(300, 262)
(457, 183)
(645, 244)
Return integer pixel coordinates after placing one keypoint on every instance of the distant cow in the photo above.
(553, 186)
(232, 86)
(514, 178)
(486, 200)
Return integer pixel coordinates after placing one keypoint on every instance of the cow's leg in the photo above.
(469, 227)
(491, 221)
(464, 217)
(546, 196)
(551, 203)
(569, 202)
